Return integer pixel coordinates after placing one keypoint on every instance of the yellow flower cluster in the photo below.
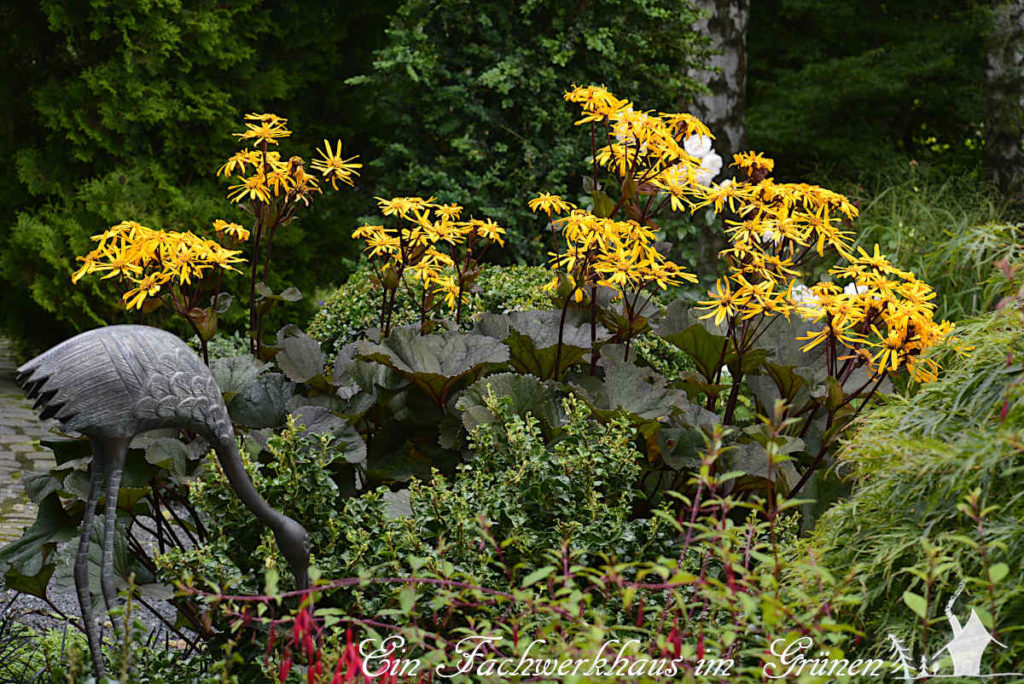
(147, 259)
(645, 147)
(264, 175)
(779, 229)
(601, 251)
(882, 309)
(425, 229)
(775, 231)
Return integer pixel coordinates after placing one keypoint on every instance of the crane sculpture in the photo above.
(113, 383)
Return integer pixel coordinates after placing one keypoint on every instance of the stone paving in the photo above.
(20, 452)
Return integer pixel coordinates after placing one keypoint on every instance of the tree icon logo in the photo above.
(965, 650)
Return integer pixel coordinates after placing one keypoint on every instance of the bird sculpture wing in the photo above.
(121, 380)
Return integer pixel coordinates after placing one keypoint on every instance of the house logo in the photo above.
(962, 656)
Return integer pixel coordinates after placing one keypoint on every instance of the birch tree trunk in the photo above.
(724, 107)
(1004, 139)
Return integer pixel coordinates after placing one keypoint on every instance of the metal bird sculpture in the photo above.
(113, 383)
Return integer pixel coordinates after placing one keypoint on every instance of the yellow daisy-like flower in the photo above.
(145, 288)
(550, 204)
(267, 129)
(724, 303)
(253, 188)
(753, 163)
(233, 229)
(489, 230)
(333, 167)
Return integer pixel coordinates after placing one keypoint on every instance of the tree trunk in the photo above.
(724, 107)
(1004, 139)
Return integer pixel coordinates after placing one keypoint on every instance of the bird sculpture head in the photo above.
(293, 541)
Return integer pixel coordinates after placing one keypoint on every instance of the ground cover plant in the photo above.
(565, 476)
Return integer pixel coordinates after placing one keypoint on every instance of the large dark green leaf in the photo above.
(412, 459)
(39, 485)
(233, 374)
(263, 402)
(320, 421)
(302, 360)
(532, 338)
(353, 374)
(525, 394)
(751, 458)
(435, 363)
(69, 452)
(636, 391)
(700, 339)
(26, 562)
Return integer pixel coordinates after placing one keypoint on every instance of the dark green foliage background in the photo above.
(469, 95)
(847, 84)
(125, 110)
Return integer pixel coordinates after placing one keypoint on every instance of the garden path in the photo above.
(20, 452)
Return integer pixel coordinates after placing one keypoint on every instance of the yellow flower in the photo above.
(405, 207)
(550, 204)
(449, 212)
(447, 286)
(333, 167)
(489, 230)
(268, 129)
(251, 188)
(233, 229)
(237, 163)
(723, 303)
(144, 289)
(753, 162)
(842, 333)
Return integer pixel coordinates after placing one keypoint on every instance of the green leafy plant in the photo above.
(492, 130)
(354, 308)
(936, 499)
(569, 564)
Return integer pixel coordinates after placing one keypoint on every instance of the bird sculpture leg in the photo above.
(81, 570)
(115, 453)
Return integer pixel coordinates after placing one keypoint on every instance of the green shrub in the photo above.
(938, 478)
(580, 488)
(354, 307)
(948, 229)
(535, 537)
(128, 106)
(468, 95)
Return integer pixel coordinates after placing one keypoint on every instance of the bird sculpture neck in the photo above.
(231, 463)
(292, 538)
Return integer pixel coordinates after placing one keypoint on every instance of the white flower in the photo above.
(804, 298)
(677, 177)
(705, 178)
(802, 294)
(711, 162)
(697, 145)
(855, 289)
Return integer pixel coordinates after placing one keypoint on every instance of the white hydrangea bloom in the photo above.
(697, 145)
(802, 294)
(855, 289)
(711, 162)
